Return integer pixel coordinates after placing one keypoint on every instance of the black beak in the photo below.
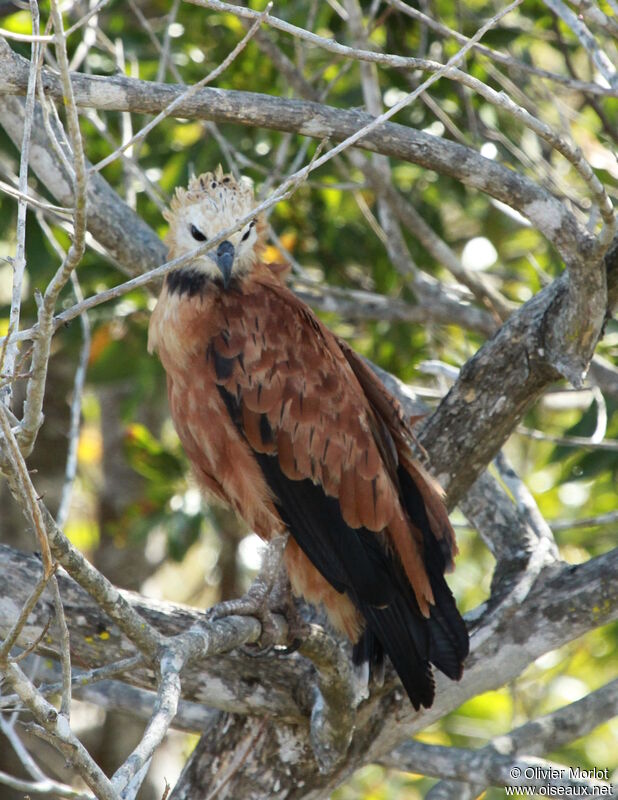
(225, 260)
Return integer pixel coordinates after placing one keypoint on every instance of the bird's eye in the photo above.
(245, 235)
(197, 234)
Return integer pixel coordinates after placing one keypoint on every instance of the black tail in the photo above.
(393, 630)
(449, 642)
(413, 642)
(399, 630)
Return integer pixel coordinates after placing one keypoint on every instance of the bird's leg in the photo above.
(282, 602)
(257, 602)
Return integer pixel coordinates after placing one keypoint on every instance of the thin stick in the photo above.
(141, 134)
(33, 418)
(12, 636)
(23, 486)
(19, 262)
(65, 651)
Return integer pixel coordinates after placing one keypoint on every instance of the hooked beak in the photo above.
(225, 259)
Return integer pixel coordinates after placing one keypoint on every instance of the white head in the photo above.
(214, 202)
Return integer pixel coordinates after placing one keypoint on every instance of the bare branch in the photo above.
(536, 626)
(46, 786)
(12, 463)
(7, 364)
(60, 734)
(316, 120)
(496, 55)
(538, 737)
(584, 522)
(488, 767)
(585, 442)
(126, 237)
(65, 651)
(76, 412)
(33, 417)
(164, 712)
(186, 95)
(580, 29)
(11, 637)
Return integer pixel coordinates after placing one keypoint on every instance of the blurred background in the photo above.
(135, 510)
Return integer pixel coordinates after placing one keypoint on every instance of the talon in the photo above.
(269, 594)
(288, 650)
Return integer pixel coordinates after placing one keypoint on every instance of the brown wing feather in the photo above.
(296, 383)
(388, 409)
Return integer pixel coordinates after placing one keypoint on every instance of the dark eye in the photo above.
(245, 235)
(197, 234)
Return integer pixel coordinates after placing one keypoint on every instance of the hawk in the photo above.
(285, 423)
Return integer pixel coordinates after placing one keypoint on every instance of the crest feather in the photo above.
(222, 189)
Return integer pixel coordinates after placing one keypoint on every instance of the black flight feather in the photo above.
(354, 561)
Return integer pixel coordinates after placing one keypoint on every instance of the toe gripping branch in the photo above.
(334, 696)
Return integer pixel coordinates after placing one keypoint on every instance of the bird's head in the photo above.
(212, 203)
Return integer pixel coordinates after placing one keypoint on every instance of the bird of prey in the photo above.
(285, 423)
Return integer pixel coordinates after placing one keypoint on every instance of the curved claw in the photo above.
(288, 650)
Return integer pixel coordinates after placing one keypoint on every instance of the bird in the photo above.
(284, 422)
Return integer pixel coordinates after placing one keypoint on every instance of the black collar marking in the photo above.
(192, 282)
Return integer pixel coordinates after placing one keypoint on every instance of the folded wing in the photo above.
(333, 448)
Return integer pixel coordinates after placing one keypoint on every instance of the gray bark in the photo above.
(564, 603)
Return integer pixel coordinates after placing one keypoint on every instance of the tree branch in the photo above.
(487, 767)
(318, 121)
(564, 602)
(537, 737)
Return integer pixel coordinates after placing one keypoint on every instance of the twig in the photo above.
(534, 551)
(148, 28)
(32, 646)
(171, 662)
(495, 55)
(85, 678)
(32, 418)
(59, 732)
(525, 502)
(76, 412)
(570, 152)
(491, 768)
(386, 59)
(65, 651)
(45, 786)
(542, 734)
(19, 262)
(141, 134)
(556, 222)
(144, 636)
(584, 522)
(39, 38)
(165, 60)
(7, 728)
(388, 229)
(17, 627)
(22, 487)
(436, 246)
(34, 201)
(586, 442)
(602, 62)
